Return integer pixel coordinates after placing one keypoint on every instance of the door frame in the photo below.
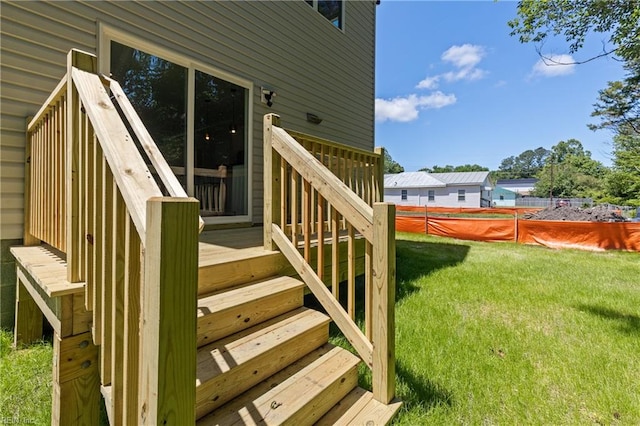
(107, 33)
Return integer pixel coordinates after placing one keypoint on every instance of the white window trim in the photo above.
(108, 33)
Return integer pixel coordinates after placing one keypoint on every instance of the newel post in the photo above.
(271, 179)
(383, 301)
(379, 175)
(75, 230)
(169, 301)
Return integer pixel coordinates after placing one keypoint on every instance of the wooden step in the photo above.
(229, 311)
(231, 269)
(300, 394)
(232, 365)
(359, 408)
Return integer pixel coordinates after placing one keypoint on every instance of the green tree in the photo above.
(390, 165)
(569, 171)
(618, 105)
(623, 183)
(619, 20)
(526, 165)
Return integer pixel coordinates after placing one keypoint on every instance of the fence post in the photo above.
(168, 329)
(271, 179)
(383, 301)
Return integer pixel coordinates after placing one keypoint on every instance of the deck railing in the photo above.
(91, 195)
(309, 201)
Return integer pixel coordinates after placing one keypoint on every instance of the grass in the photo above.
(487, 333)
(509, 334)
(25, 383)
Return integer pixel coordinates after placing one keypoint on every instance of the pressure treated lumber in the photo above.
(232, 365)
(359, 408)
(300, 399)
(224, 313)
(167, 369)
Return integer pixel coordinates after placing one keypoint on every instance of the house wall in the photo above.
(285, 46)
(444, 197)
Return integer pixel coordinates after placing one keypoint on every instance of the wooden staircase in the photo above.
(264, 358)
(174, 326)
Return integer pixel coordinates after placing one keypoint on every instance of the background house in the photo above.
(462, 189)
(503, 197)
(213, 70)
(522, 187)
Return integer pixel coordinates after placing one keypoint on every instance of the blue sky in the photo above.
(453, 87)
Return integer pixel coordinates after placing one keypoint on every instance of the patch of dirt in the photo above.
(576, 214)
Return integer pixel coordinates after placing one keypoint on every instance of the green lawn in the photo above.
(508, 334)
(487, 333)
(25, 382)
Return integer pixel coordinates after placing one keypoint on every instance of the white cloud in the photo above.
(429, 83)
(465, 56)
(469, 74)
(554, 66)
(408, 108)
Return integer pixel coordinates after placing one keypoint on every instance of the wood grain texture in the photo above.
(168, 351)
(383, 302)
(324, 296)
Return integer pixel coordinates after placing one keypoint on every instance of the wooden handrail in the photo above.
(159, 163)
(129, 169)
(92, 195)
(326, 183)
(304, 198)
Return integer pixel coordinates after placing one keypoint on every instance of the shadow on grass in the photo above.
(414, 260)
(421, 391)
(418, 259)
(627, 323)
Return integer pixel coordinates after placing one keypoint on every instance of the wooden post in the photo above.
(28, 238)
(383, 301)
(76, 382)
(271, 179)
(28, 317)
(169, 296)
(86, 62)
(380, 175)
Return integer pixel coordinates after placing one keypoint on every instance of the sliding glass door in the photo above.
(199, 122)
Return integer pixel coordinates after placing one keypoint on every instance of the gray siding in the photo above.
(286, 46)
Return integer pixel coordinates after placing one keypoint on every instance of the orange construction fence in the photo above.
(554, 234)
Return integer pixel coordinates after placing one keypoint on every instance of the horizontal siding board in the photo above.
(287, 46)
(12, 123)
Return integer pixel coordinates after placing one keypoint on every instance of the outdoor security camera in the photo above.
(267, 96)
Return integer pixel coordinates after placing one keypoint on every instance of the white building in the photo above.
(463, 189)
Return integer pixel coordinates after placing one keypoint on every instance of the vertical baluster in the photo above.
(90, 194)
(107, 272)
(312, 195)
(83, 131)
(133, 271)
(117, 313)
(320, 233)
(351, 271)
(295, 181)
(98, 243)
(368, 282)
(48, 209)
(283, 194)
(335, 254)
(306, 220)
(63, 174)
